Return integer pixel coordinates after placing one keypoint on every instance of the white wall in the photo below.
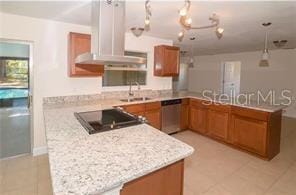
(49, 40)
(278, 76)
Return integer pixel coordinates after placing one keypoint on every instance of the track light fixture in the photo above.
(219, 32)
(186, 21)
(185, 9)
(181, 35)
(138, 31)
(148, 15)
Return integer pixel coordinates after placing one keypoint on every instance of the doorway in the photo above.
(15, 107)
(231, 72)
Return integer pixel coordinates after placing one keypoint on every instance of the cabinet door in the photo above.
(166, 60)
(171, 62)
(166, 181)
(218, 124)
(250, 134)
(198, 119)
(79, 44)
(154, 118)
(184, 117)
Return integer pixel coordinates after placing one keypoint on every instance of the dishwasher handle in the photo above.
(171, 102)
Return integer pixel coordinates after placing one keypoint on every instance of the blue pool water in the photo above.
(13, 93)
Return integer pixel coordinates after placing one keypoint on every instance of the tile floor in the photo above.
(15, 131)
(214, 168)
(25, 175)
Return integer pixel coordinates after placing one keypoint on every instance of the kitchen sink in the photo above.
(136, 99)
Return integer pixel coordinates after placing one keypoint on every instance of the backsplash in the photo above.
(103, 96)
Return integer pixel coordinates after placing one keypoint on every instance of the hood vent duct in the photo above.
(108, 36)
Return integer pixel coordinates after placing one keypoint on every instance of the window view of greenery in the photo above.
(14, 73)
(123, 75)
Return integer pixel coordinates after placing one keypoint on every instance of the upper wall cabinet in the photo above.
(79, 44)
(166, 60)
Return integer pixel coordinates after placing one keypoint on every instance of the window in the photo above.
(124, 74)
(14, 72)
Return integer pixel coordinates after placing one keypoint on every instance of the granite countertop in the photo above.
(85, 164)
(89, 164)
(266, 107)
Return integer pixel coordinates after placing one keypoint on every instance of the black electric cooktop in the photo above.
(105, 120)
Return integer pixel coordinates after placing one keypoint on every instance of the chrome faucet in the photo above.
(130, 93)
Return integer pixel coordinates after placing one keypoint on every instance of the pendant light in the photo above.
(265, 55)
(191, 59)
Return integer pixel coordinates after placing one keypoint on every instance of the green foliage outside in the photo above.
(17, 70)
(14, 73)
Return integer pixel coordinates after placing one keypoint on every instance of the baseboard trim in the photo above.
(39, 151)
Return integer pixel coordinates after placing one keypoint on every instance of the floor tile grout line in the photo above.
(232, 173)
(280, 176)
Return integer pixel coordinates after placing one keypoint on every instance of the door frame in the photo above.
(31, 85)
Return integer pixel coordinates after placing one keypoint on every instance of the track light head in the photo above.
(183, 11)
(181, 35)
(219, 32)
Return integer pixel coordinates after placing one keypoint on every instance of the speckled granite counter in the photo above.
(87, 164)
(92, 164)
(115, 101)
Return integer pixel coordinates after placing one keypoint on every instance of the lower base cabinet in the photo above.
(218, 123)
(152, 112)
(255, 131)
(197, 121)
(250, 134)
(166, 181)
(154, 118)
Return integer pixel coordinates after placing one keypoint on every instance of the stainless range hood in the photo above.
(108, 36)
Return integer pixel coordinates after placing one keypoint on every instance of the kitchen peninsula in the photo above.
(116, 160)
(105, 163)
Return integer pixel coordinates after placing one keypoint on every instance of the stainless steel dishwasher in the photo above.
(171, 114)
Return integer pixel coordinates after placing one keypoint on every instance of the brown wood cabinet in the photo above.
(184, 114)
(166, 181)
(166, 60)
(252, 130)
(256, 131)
(250, 134)
(152, 112)
(197, 116)
(218, 121)
(136, 109)
(79, 44)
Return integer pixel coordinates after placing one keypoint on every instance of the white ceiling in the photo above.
(241, 21)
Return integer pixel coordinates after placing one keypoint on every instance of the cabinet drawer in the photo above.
(250, 113)
(153, 106)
